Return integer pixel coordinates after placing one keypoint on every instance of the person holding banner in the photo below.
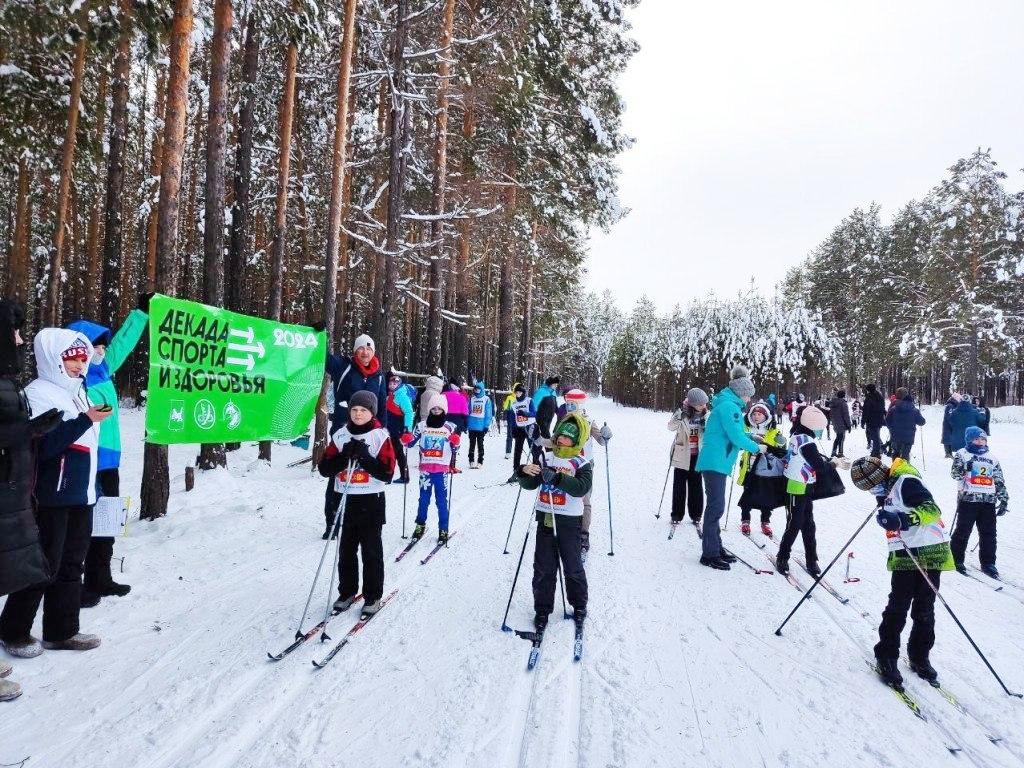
(360, 373)
(110, 352)
(365, 446)
(65, 491)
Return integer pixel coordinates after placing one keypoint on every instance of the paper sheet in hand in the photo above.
(110, 515)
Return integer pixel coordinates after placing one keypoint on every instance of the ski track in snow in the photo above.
(680, 664)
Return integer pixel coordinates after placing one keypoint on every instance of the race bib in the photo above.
(980, 480)
(478, 409)
(359, 477)
(521, 418)
(554, 499)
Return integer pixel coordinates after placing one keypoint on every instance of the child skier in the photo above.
(913, 526)
(65, 493)
(576, 402)
(438, 441)
(526, 420)
(803, 462)
(509, 414)
(563, 477)
(761, 474)
(399, 420)
(688, 425)
(365, 445)
(481, 414)
(981, 498)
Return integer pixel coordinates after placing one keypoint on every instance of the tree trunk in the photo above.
(113, 230)
(242, 211)
(397, 132)
(91, 285)
(18, 266)
(438, 267)
(155, 478)
(156, 165)
(51, 311)
(526, 339)
(212, 455)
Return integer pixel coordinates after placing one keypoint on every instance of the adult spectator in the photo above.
(986, 414)
(963, 416)
(458, 405)
(903, 419)
(545, 404)
(724, 438)
(839, 414)
(22, 563)
(361, 372)
(874, 418)
(951, 404)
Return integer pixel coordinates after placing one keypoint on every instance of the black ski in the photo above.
(364, 619)
(408, 547)
(823, 583)
(758, 571)
(577, 646)
(699, 527)
(440, 545)
(301, 638)
(672, 528)
(535, 638)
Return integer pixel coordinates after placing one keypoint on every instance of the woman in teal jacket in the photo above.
(111, 352)
(724, 438)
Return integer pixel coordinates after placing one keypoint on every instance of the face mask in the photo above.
(818, 432)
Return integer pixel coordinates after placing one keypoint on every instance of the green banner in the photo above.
(217, 376)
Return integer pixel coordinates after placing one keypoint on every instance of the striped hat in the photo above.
(575, 400)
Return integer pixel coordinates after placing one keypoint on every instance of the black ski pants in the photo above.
(800, 520)
(874, 436)
(101, 548)
(517, 456)
(837, 445)
(476, 441)
(901, 450)
(361, 534)
(766, 515)
(64, 534)
(969, 514)
(910, 593)
(687, 492)
(561, 543)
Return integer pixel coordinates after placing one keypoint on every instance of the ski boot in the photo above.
(418, 531)
(766, 529)
(745, 528)
(540, 623)
(728, 557)
(578, 615)
(342, 604)
(990, 571)
(78, 642)
(472, 464)
(961, 569)
(888, 671)
(715, 562)
(371, 608)
(442, 537)
(89, 599)
(782, 565)
(813, 569)
(923, 669)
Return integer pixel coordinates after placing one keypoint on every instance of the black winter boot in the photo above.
(888, 670)
(540, 622)
(782, 565)
(923, 669)
(715, 562)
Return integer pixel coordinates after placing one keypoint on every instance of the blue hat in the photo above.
(973, 433)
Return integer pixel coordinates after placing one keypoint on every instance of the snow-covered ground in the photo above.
(681, 666)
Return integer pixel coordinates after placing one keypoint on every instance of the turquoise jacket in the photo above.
(99, 378)
(724, 435)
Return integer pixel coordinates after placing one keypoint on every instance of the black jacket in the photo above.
(874, 409)
(903, 420)
(839, 413)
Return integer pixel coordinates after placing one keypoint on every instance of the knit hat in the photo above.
(973, 433)
(740, 382)
(575, 400)
(433, 384)
(363, 399)
(696, 397)
(437, 400)
(901, 393)
(813, 418)
(868, 472)
(77, 351)
(552, 381)
(576, 429)
(567, 429)
(517, 387)
(365, 341)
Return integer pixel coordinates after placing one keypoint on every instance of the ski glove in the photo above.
(1002, 510)
(406, 438)
(549, 476)
(893, 521)
(606, 433)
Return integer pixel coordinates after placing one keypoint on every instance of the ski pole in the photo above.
(921, 433)
(821, 575)
(728, 505)
(850, 579)
(963, 629)
(608, 480)
(338, 522)
(504, 625)
(758, 571)
(405, 498)
(510, 522)
(664, 487)
(975, 547)
(316, 577)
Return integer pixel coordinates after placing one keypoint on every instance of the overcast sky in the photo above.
(759, 126)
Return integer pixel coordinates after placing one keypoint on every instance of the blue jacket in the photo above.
(903, 419)
(481, 409)
(960, 418)
(951, 405)
(346, 378)
(724, 435)
(399, 411)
